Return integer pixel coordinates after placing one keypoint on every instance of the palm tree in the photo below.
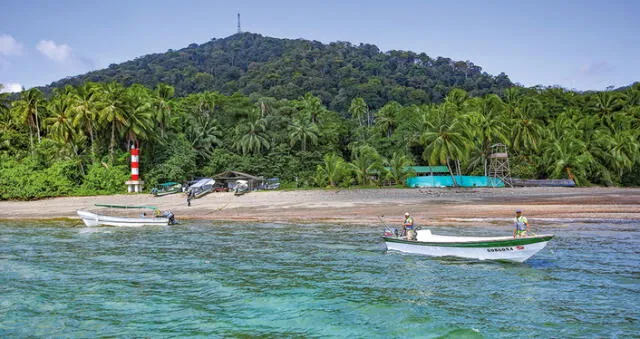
(597, 139)
(311, 107)
(525, 128)
(114, 111)
(631, 96)
(525, 134)
(386, 118)
(252, 137)
(445, 140)
(162, 106)
(487, 125)
(618, 121)
(366, 162)
(331, 171)
(29, 105)
(398, 168)
(303, 133)
(60, 124)
(512, 97)
(457, 98)
(624, 151)
(139, 116)
(203, 134)
(605, 103)
(60, 121)
(359, 109)
(86, 106)
(567, 156)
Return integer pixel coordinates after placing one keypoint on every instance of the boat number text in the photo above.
(501, 249)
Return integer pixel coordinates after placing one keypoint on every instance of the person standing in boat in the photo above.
(521, 225)
(408, 226)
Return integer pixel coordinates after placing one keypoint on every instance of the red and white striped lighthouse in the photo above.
(135, 163)
(135, 184)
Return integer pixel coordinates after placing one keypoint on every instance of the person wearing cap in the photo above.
(521, 225)
(408, 227)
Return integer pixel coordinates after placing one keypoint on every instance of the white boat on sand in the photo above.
(150, 215)
(201, 188)
(505, 248)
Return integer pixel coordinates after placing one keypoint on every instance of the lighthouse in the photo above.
(135, 184)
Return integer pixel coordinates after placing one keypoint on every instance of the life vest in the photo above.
(408, 221)
(520, 223)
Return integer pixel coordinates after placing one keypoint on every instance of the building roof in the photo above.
(430, 169)
(425, 169)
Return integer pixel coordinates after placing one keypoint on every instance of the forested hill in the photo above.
(283, 68)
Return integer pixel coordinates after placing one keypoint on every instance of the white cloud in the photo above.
(11, 88)
(9, 45)
(53, 51)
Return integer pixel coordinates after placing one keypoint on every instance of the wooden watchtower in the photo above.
(499, 166)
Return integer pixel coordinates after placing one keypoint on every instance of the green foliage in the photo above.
(104, 179)
(310, 106)
(333, 172)
(223, 160)
(397, 172)
(178, 162)
(336, 73)
(26, 180)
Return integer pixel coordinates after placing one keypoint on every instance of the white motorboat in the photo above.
(109, 218)
(505, 248)
(201, 188)
(242, 187)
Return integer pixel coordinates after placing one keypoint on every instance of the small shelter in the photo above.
(229, 179)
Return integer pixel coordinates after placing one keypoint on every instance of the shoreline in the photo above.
(429, 206)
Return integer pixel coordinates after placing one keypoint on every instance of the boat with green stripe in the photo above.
(126, 215)
(505, 248)
(166, 189)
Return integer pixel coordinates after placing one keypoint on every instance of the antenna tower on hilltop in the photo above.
(239, 31)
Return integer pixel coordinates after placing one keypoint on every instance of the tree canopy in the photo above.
(336, 73)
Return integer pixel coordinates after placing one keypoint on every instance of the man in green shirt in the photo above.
(521, 225)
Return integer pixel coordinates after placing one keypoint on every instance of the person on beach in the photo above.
(521, 225)
(189, 197)
(408, 227)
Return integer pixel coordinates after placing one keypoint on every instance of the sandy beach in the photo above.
(364, 206)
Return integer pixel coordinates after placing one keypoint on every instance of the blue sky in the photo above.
(583, 45)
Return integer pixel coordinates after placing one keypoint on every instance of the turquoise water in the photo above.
(265, 280)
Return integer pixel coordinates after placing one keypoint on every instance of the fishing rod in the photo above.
(387, 227)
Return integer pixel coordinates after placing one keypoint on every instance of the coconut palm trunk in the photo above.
(453, 177)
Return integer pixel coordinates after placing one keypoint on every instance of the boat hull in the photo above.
(201, 194)
(161, 194)
(506, 248)
(94, 219)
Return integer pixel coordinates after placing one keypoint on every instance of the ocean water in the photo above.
(204, 279)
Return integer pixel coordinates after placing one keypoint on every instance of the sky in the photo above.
(575, 44)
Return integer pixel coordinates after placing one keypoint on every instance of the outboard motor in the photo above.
(171, 216)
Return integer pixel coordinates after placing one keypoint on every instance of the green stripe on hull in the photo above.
(481, 244)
